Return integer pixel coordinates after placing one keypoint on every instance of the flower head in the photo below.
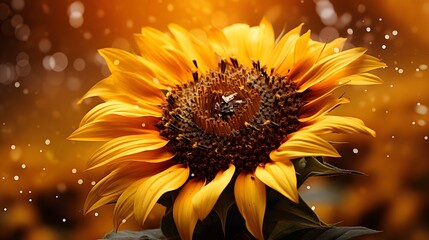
(196, 117)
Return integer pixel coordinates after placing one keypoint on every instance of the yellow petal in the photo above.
(204, 201)
(219, 42)
(362, 79)
(237, 36)
(114, 126)
(353, 74)
(139, 88)
(123, 146)
(120, 108)
(281, 177)
(260, 42)
(154, 45)
(120, 60)
(124, 206)
(297, 61)
(320, 107)
(321, 90)
(284, 47)
(105, 90)
(250, 198)
(303, 144)
(337, 124)
(94, 198)
(194, 48)
(149, 192)
(184, 215)
(301, 46)
(327, 67)
(327, 49)
(114, 184)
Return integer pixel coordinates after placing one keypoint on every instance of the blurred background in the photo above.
(48, 59)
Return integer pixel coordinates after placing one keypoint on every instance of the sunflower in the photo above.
(233, 110)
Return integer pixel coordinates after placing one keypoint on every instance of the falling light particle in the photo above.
(421, 122)
(80, 181)
(388, 156)
(45, 45)
(426, 138)
(421, 109)
(58, 62)
(64, 220)
(116, 62)
(355, 150)
(155, 80)
(350, 31)
(47, 141)
(380, 19)
(87, 35)
(5, 209)
(383, 46)
(393, 136)
(413, 123)
(423, 67)
(386, 36)
(368, 29)
(93, 183)
(400, 71)
(373, 109)
(124, 220)
(391, 85)
(74, 170)
(20, 191)
(96, 214)
(79, 64)
(308, 187)
(394, 32)
(23, 166)
(22, 33)
(170, 7)
(313, 208)
(17, 5)
(13, 147)
(16, 178)
(29, 191)
(17, 84)
(129, 23)
(76, 19)
(30, 200)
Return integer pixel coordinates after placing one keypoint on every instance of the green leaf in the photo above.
(285, 219)
(225, 201)
(168, 226)
(344, 233)
(150, 234)
(311, 166)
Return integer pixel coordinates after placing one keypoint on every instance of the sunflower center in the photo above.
(231, 115)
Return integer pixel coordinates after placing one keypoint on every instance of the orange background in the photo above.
(48, 59)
